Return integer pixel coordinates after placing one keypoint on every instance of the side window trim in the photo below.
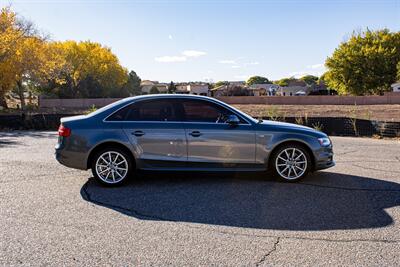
(183, 120)
(139, 103)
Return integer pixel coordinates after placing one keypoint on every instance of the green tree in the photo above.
(132, 85)
(171, 88)
(398, 71)
(257, 80)
(220, 83)
(285, 81)
(365, 64)
(309, 79)
(154, 90)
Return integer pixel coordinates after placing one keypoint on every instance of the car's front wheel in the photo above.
(291, 163)
(111, 166)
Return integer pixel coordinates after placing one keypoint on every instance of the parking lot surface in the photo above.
(346, 215)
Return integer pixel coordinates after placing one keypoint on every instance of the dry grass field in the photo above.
(368, 112)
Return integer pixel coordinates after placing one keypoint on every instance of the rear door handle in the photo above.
(138, 133)
(195, 133)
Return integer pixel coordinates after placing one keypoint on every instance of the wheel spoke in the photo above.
(120, 163)
(279, 157)
(299, 168)
(295, 171)
(287, 154)
(115, 159)
(104, 171)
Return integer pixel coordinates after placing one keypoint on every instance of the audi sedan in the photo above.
(187, 133)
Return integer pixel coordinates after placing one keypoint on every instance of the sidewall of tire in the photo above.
(128, 158)
(272, 166)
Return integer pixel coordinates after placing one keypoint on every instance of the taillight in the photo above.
(64, 131)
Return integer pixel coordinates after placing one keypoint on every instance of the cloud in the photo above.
(193, 53)
(167, 59)
(182, 58)
(227, 61)
(252, 63)
(235, 67)
(170, 37)
(316, 70)
(316, 66)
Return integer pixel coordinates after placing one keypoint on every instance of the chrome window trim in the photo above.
(178, 97)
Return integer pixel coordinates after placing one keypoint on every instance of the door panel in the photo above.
(155, 132)
(220, 143)
(157, 142)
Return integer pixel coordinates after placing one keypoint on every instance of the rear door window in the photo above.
(151, 110)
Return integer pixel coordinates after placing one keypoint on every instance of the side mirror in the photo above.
(233, 120)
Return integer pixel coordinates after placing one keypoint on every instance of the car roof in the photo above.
(152, 96)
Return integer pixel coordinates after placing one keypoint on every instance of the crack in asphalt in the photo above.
(138, 214)
(350, 188)
(374, 169)
(263, 259)
(344, 153)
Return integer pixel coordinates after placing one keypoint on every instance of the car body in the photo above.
(185, 133)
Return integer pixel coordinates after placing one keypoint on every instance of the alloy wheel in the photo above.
(111, 167)
(291, 163)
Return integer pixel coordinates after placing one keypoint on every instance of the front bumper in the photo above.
(324, 159)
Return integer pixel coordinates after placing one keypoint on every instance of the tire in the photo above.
(114, 172)
(289, 167)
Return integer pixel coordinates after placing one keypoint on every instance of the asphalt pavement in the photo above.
(53, 215)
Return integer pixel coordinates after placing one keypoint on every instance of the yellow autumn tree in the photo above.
(88, 69)
(15, 34)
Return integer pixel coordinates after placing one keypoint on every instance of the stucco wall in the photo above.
(389, 98)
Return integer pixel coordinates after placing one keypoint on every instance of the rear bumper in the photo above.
(70, 159)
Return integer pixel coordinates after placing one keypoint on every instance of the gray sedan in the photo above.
(186, 133)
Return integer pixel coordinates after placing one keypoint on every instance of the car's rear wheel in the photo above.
(111, 166)
(291, 163)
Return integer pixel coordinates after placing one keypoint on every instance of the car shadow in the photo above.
(324, 201)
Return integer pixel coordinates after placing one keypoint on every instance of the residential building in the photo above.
(396, 87)
(198, 89)
(219, 91)
(146, 86)
(263, 89)
(293, 90)
(181, 88)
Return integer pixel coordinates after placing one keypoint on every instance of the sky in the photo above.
(213, 40)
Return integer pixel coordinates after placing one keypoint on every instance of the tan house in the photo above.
(182, 88)
(293, 91)
(198, 89)
(146, 86)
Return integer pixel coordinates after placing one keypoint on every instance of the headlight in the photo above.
(324, 141)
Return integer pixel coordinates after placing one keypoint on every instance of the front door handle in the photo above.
(195, 133)
(138, 133)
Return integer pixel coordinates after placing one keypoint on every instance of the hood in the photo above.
(284, 126)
